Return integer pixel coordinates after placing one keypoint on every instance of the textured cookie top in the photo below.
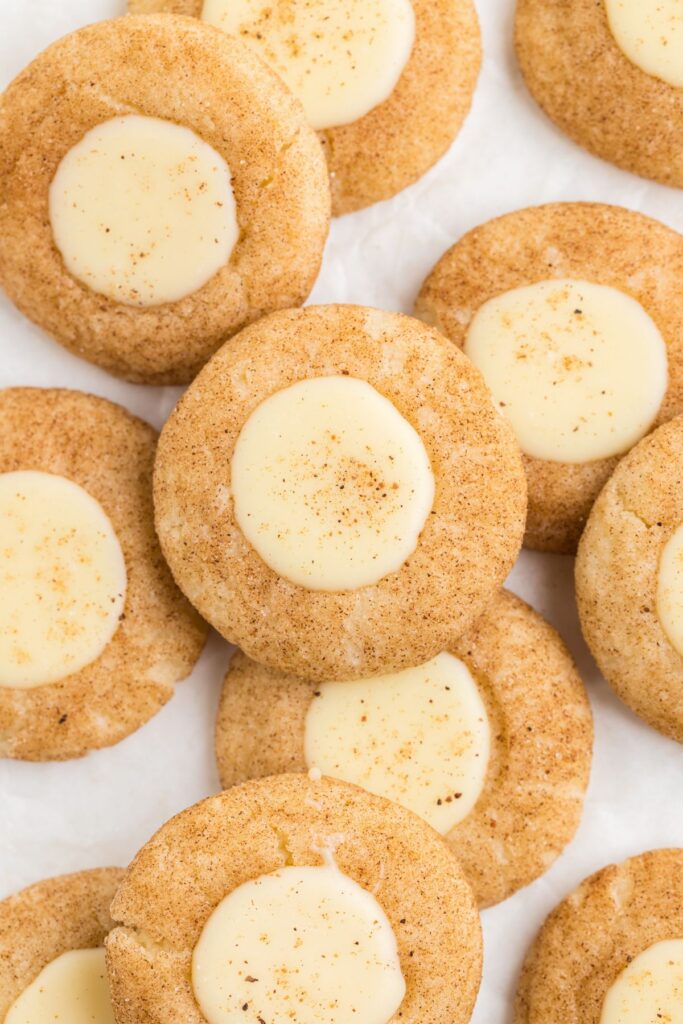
(109, 453)
(470, 538)
(591, 242)
(50, 918)
(584, 81)
(178, 879)
(617, 576)
(594, 934)
(397, 141)
(186, 73)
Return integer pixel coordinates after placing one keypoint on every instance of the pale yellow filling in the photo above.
(670, 589)
(305, 945)
(340, 59)
(419, 737)
(579, 369)
(142, 210)
(62, 579)
(331, 485)
(73, 989)
(650, 34)
(650, 989)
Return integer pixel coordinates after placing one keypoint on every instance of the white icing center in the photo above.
(339, 59)
(650, 34)
(306, 945)
(670, 589)
(73, 989)
(419, 737)
(650, 989)
(579, 369)
(62, 579)
(331, 485)
(142, 210)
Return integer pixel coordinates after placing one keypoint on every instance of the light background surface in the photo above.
(62, 817)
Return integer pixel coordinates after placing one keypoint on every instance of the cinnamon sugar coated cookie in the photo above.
(159, 189)
(612, 951)
(573, 312)
(609, 75)
(352, 903)
(490, 743)
(336, 494)
(94, 634)
(52, 964)
(629, 580)
(387, 83)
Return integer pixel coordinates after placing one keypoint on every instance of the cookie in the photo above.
(574, 314)
(491, 743)
(329, 472)
(629, 583)
(93, 631)
(609, 75)
(51, 949)
(387, 83)
(254, 863)
(612, 951)
(159, 189)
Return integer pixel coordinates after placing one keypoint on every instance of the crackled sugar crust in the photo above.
(541, 748)
(49, 919)
(616, 579)
(197, 858)
(606, 245)
(591, 937)
(110, 453)
(468, 544)
(396, 143)
(577, 73)
(142, 65)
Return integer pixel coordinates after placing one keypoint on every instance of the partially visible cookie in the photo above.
(183, 897)
(609, 75)
(400, 94)
(612, 951)
(629, 580)
(510, 768)
(94, 634)
(159, 189)
(42, 927)
(330, 471)
(574, 314)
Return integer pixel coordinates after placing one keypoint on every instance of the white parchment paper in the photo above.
(63, 817)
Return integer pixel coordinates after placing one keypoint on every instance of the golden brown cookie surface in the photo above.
(583, 80)
(594, 934)
(478, 507)
(168, 893)
(394, 144)
(139, 65)
(617, 579)
(109, 453)
(50, 918)
(541, 740)
(590, 242)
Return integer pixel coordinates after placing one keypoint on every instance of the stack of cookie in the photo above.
(341, 493)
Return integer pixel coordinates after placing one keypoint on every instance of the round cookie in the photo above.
(178, 879)
(592, 937)
(95, 453)
(148, 317)
(627, 605)
(50, 919)
(529, 802)
(597, 253)
(392, 376)
(374, 156)
(585, 82)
